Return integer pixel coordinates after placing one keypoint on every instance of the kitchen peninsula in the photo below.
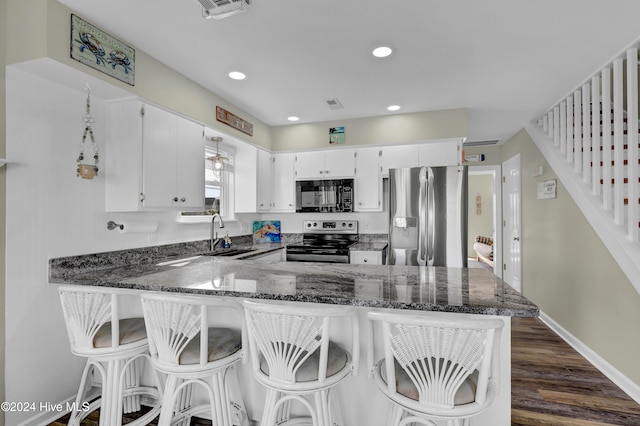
(453, 291)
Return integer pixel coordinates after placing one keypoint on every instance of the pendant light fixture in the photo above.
(218, 160)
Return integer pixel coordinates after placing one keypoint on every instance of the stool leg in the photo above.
(335, 412)
(111, 395)
(74, 419)
(168, 401)
(270, 411)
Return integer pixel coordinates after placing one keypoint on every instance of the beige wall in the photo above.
(397, 128)
(48, 25)
(3, 194)
(567, 270)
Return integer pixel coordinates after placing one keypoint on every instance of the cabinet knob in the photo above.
(290, 205)
(183, 199)
(320, 171)
(326, 172)
(175, 199)
(365, 260)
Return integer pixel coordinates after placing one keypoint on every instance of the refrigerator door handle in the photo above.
(422, 226)
(431, 223)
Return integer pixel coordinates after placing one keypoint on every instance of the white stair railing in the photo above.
(591, 139)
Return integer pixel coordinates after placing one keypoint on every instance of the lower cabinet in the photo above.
(358, 257)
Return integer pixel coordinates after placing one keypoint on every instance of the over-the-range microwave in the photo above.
(324, 196)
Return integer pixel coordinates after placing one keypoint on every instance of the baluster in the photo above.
(577, 132)
(618, 141)
(556, 126)
(570, 118)
(633, 214)
(550, 124)
(607, 153)
(586, 133)
(596, 116)
(563, 128)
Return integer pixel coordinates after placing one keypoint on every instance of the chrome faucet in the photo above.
(214, 238)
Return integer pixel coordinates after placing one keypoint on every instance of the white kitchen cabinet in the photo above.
(330, 164)
(245, 176)
(154, 159)
(368, 180)
(366, 257)
(264, 184)
(395, 157)
(445, 153)
(283, 189)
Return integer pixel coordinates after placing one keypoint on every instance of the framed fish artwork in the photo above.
(266, 231)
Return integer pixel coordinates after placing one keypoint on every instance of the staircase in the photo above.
(591, 139)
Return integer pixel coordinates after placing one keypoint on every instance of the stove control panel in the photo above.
(331, 226)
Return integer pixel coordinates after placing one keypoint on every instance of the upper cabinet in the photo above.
(284, 185)
(154, 159)
(396, 157)
(368, 180)
(441, 153)
(330, 164)
(265, 177)
(432, 153)
(245, 178)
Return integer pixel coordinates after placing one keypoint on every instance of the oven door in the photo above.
(310, 254)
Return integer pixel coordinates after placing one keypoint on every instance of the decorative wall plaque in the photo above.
(97, 49)
(336, 135)
(234, 121)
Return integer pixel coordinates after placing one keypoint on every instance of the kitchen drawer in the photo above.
(358, 257)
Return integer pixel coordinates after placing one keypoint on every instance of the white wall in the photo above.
(52, 213)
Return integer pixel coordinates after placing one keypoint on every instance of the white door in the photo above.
(512, 244)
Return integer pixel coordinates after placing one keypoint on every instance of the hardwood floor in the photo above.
(551, 385)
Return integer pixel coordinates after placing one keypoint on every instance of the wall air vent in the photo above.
(334, 104)
(480, 143)
(218, 9)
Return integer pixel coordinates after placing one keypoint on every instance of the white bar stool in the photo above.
(192, 353)
(293, 356)
(435, 366)
(115, 347)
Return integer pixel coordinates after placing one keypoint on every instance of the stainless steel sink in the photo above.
(228, 252)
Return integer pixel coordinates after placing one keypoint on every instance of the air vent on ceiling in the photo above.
(218, 9)
(480, 143)
(334, 104)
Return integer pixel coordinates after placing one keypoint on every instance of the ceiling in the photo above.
(506, 61)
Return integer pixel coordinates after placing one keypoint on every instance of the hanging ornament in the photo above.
(86, 170)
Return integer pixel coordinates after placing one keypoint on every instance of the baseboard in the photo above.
(46, 417)
(623, 382)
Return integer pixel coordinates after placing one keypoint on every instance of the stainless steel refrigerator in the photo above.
(428, 216)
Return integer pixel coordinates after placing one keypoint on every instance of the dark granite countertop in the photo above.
(461, 290)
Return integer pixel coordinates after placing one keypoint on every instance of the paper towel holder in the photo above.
(111, 225)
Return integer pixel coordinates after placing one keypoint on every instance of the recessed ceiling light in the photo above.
(393, 107)
(237, 75)
(293, 118)
(382, 51)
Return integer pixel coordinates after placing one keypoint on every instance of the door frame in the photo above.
(496, 172)
(516, 159)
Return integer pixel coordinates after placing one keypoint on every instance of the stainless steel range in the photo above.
(324, 241)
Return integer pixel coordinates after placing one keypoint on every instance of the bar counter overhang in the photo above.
(452, 291)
